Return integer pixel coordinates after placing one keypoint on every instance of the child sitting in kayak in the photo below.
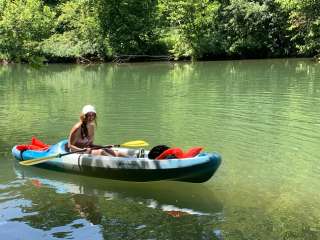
(82, 134)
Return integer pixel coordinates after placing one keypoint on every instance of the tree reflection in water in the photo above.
(88, 207)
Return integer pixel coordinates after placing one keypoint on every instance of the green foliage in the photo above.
(195, 23)
(305, 27)
(23, 26)
(78, 33)
(130, 25)
(254, 29)
(198, 29)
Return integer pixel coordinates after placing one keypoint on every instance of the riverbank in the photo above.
(146, 59)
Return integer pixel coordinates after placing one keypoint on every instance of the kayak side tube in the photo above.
(198, 169)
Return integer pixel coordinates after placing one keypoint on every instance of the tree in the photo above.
(192, 27)
(24, 24)
(305, 26)
(130, 25)
(255, 29)
(78, 33)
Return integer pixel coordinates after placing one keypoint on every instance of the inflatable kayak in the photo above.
(199, 168)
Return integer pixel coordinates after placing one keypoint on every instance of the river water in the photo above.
(262, 116)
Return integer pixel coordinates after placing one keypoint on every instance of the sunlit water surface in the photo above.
(262, 116)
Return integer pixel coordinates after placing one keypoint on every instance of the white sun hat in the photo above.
(88, 108)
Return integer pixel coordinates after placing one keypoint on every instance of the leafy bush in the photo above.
(24, 24)
(305, 26)
(192, 26)
(255, 29)
(130, 25)
(78, 33)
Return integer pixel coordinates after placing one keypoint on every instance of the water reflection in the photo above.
(191, 198)
(64, 205)
(262, 116)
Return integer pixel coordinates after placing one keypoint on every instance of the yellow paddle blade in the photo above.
(136, 143)
(37, 160)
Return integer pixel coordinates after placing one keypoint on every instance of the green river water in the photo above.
(262, 116)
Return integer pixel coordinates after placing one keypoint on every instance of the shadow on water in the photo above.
(167, 196)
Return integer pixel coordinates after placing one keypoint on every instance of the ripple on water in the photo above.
(262, 116)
